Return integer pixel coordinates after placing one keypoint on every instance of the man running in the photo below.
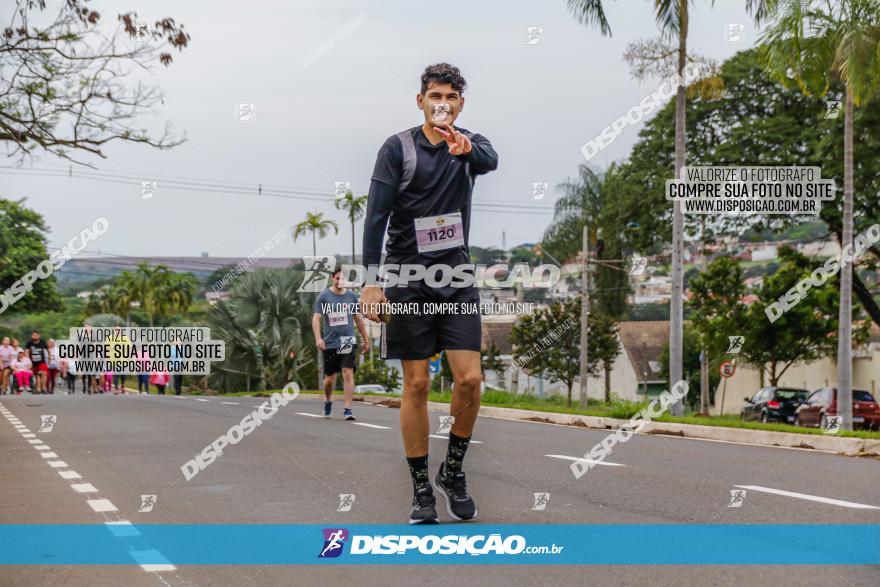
(423, 179)
(38, 353)
(337, 342)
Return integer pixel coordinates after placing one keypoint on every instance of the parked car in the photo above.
(773, 404)
(823, 403)
(370, 388)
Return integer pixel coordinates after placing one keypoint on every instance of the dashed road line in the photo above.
(198, 399)
(310, 415)
(372, 426)
(828, 500)
(57, 464)
(229, 403)
(591, 461)
(84, 488)
(441, 437)
(101, 505)
(69, 475)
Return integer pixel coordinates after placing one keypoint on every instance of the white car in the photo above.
(370, 388)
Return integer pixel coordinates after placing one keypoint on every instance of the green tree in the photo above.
(22, 248)
(552, 335)
(817, 43)
(806, 332)
(317, 226)
(760, 122)
(355, 207)
(64, 93)
(262, 326)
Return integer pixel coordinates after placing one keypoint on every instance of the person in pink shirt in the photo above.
(160, 379)
(22, 367)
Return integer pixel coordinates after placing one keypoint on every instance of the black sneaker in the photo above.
(423, 504)
(453, 488)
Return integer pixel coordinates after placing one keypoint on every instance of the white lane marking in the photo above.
(69, 475)
(57, 464)
(372, 425)
(122, 528)
(152, 554)
(828, 500)
(198, 399)
(42, 447)
(28, 435)
(229, 403)
(101, 505)
(48, 455)
(310, 415)
(591, 461)
(35, 441)
(84, 488)
(447, 438)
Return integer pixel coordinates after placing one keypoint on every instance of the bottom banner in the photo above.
(508, 544)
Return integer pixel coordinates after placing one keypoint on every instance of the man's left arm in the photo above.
(481, 157)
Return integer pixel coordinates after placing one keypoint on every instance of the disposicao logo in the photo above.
(334, 540)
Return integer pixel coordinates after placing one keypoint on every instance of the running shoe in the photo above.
(328, 406)
(423, 504)
(346, 413)
(453, 488)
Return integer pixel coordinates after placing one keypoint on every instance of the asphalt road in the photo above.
(292, 469)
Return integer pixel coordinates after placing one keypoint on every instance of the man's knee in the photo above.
(417, 387)
(470, 382)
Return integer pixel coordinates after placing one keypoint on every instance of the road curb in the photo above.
(845, 446)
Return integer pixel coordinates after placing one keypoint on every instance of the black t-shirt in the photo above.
(39, 351)
(441, 184)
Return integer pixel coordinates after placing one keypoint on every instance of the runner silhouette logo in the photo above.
(334, 540)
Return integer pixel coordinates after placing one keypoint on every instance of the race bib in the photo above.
(338, 319)
(435, 233)
(346, 345)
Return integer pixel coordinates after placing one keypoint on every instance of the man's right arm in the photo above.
(316, 330)
(385, 182)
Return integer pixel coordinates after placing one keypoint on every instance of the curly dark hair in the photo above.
(443, 73)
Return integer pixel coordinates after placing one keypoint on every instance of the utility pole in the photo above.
(704, 357)
(844, 335)
(676, 328)
(585, 312)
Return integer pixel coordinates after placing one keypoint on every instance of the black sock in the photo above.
(418, 469)
(455, 453)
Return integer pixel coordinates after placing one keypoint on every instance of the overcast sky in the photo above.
(324, 123)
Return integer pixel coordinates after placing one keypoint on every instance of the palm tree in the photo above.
(815, 43)
(315, 224)
(672, 17)
(355, 206)
(262, 326)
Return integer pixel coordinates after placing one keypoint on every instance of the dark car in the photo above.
(773, 404)
(823, 403)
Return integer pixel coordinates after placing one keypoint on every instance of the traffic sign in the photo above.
(434, 365)
(727, 369)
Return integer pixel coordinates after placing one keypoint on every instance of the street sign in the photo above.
(434, 365)
(727, 369)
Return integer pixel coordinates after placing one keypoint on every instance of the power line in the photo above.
(256, 189)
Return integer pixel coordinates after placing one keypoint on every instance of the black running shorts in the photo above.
(415, 336)
(334, 362)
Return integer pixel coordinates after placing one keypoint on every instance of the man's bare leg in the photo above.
(348, 386)
(450, 479)
(329, 384)
(414, 429)
(467, 375)
(414, 408)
